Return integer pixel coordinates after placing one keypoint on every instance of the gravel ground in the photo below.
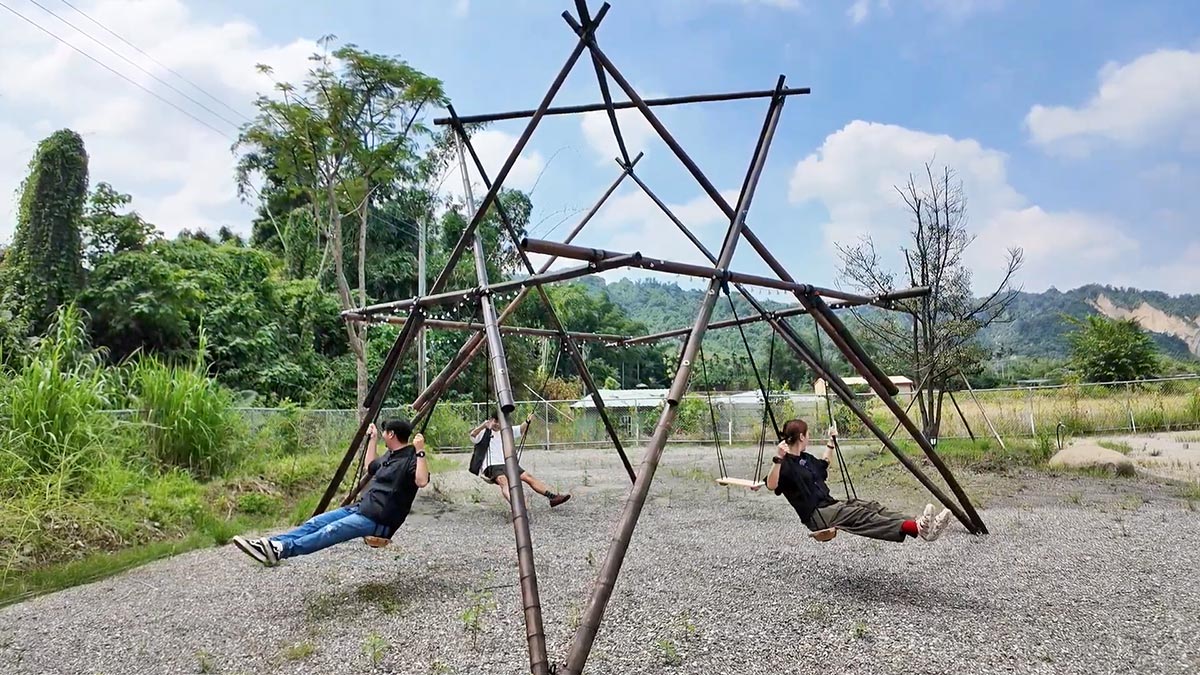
(716, 581)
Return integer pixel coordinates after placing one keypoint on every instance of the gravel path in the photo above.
(716, 581)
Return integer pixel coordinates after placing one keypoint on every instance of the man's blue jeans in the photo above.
(327, 529)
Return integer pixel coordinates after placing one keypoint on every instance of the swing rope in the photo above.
(437, 399)
(712, 414)
(541, 394)
(763, 386)
(847, 482)
(762, 433)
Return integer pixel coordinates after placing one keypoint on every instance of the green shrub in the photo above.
(301, 473)
(449, 427)
(174, 500)
(257, 503)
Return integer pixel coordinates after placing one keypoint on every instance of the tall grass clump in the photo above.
(52, 424)
(188, 419)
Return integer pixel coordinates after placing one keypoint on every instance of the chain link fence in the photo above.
(1013, 412)
(1167, 404)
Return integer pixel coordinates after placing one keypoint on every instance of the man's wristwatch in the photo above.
(421, 453)
(777, 460)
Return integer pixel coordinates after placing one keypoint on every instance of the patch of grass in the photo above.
(979, 455)
(687, 626)
(299, 473)
(20, 587)
(472, 617)
(374, 647)
(692, 473)
(439, 668)
(1190, 491)
(440, 463)
(322, 606)
(1106, 471)
(258, 503)
(299, 651)
(1131, 502)
(818, 612)
(1118, 446)
(205, 662)
(574, 616)
(387, 597)
(668, 653)
(1075, 498)
(860, 630)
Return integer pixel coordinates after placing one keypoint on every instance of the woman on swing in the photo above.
(800, 477)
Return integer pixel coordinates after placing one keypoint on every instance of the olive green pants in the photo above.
(866, 519)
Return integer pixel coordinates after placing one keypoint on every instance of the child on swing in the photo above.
(800, 477)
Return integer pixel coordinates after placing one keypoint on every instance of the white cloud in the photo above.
(1155, 97)
(779, 4)
(961, 9)
(859, 11)
(597, 131)
(951, 10)
(629, 221)
(493, 148)
(180, 172)
(462, 8)
(854, 172)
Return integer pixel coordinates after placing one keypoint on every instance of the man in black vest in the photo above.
(395, 479)
(493, 460)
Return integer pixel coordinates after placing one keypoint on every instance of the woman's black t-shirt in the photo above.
(802, 480)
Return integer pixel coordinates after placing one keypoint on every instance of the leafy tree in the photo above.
(109, 228)
(263, 334)
(338, 145)
(1111, 350)
(938, 340)
(43, 269)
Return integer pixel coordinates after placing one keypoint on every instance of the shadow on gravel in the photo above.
(881, 586)
(393, 596)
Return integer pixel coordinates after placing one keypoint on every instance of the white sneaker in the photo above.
(925, 522)
(930, 527)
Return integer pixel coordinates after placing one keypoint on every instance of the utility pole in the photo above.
(422, 371)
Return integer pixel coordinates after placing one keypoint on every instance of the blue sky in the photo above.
(1072, 124)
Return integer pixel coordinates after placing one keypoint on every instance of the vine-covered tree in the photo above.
(937, 340)
(44, 266)
(1111, 350)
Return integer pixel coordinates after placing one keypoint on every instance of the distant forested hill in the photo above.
(1038, 327)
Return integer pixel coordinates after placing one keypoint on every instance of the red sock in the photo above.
(909, 527)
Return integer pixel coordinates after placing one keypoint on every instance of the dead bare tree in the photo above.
(938, 338)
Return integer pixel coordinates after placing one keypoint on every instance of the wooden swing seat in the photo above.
(740, 482)
(376, 542)
(825, 534)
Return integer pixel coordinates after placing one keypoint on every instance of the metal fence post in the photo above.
(637, 422)
(1029, 402)
(1129, 406)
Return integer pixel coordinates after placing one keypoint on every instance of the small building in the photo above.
(859, 384)
(625, 399)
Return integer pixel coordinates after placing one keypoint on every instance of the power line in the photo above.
(111, 70)
(136, 65)
(160, 64)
